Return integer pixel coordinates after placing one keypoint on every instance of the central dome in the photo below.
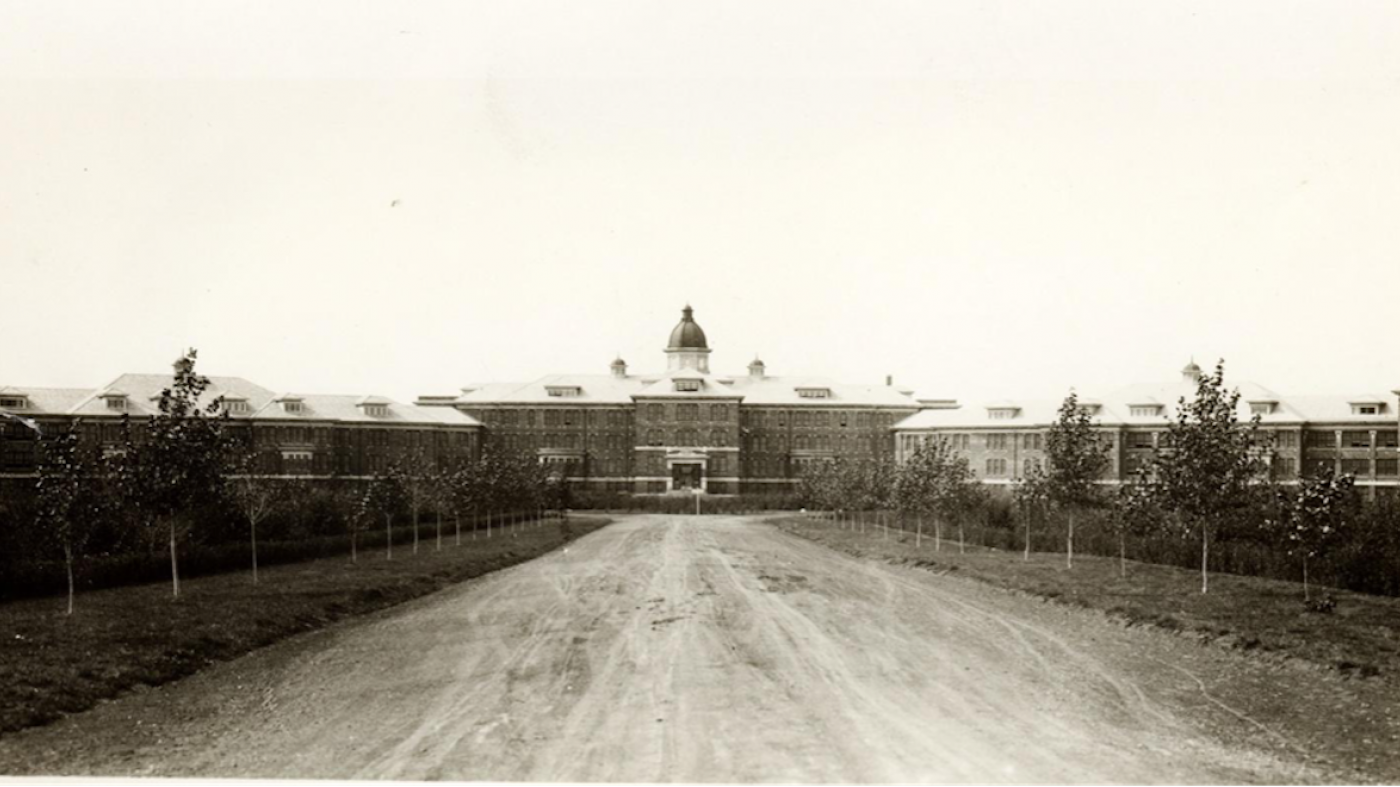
(687, 335)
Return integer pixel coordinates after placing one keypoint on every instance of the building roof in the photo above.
(1116, 409)
(687, 335)
(142, 392)
(609, 389)
(47, 401)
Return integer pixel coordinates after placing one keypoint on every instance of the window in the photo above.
(687, 412)
(687, 385)
(1029, 466)
(377, 410)
(1261, 408)
(1286, 439)
(1387, 438)
(656, 412)
(814, 393)
(1322, 439)
(1033, 441)
(996, 467)
(654, 437)
(686, 437)
(13, 402)
(1285, 467)
(1001, 413)
(1144, 410)
(996, 442)
(719, 412)
(1356, 439)
(717, 437)
(1139, 439)
(1366, 408)
(1387, 468)
(563, 390)
(1356, 467)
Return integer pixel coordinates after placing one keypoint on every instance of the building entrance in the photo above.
(685, 476)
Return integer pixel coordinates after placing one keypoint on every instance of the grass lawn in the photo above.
(1360, 638)
(124, 638)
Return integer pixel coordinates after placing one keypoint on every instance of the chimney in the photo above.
(889, 380)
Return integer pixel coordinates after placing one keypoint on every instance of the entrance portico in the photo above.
(685, 470)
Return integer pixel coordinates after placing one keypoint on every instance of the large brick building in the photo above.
(303, 435)
(685, 428)
(1357, 435)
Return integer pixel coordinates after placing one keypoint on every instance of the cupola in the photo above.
(619, 368)
(687, 348)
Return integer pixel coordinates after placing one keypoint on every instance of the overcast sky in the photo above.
(986, 200)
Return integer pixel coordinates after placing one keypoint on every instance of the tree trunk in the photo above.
(1306, 595)
(1027, 558)
(354, 551)
(962, 541)
(174, 562)
(439, 531)
(1205, 558)
(389, 536)
(68, 560)
(253, 533)
(937, 534)
(457, 522)
(1122, 554)
(1069, 543)
(415, 530)
(919, 532)
(488, 524)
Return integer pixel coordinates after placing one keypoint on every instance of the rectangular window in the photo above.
(1387, 438)
(687, 385)
(1322, 439)
(1356, 439)
(996, 442)
(1286, 439)
(1386, 468)
(1357, 467)
(1144, 411)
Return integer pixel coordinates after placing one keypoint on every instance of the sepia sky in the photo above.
(986, 200)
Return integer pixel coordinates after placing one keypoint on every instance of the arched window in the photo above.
(654, 437)
(717, 437)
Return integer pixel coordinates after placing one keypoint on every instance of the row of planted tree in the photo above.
(1207, 488)
(183, 482)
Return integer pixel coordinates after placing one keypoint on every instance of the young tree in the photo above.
(920, 481)
(385, 497)
(1209, 462)
(256, 494)
(359, 515)
(1032, 497)
(66, 503)
(179, 463)
(1135, 509)
(414, 476)
(1317, 514)
(463, 495)
(1077, 459)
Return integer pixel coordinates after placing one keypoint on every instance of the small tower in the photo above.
(619, 368)
(688, 348)
(1191, 373)
(756, 369)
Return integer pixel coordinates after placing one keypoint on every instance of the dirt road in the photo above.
(687, 649)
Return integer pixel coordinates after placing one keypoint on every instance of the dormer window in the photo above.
(377, 410)
(1144, 410)
(14, 402)
(563, 390)
(1002, 413)
(1262, 407)
(814, 393)
(292, 405)
(1367, 407)
(687, 384)
(234, 405)
(115, 401)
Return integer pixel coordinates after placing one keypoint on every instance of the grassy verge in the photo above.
(1360, 638)
(125, 638)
